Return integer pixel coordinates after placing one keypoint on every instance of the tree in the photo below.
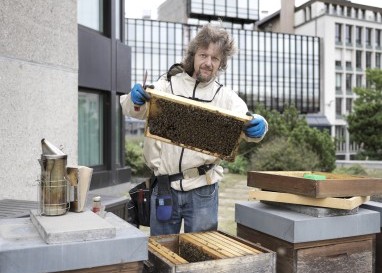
(365, 122)
(290, 144)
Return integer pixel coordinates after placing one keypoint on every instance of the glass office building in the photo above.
(238, 11)
(274, 69)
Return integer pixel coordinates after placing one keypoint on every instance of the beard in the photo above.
(203, 76)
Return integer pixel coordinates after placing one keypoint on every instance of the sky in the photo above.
(267, 7)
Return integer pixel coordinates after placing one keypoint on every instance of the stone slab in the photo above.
(23, 250)
(72, 227)
(296, 227)
(313, 211)
(376, 206)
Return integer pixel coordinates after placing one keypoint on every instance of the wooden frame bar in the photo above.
(335, 185)
(327, 202)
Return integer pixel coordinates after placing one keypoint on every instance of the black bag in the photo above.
(138, 208)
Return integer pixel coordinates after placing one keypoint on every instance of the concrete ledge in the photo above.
(295, 227)
(72, 227)
(376, 206)
(23, 250)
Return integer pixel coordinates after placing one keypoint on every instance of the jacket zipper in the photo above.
(181, 154)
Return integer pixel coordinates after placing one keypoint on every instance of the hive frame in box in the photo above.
(226, 254)
(153, 110)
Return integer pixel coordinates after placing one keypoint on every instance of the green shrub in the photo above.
(239, 166)
(355, 169)
(280, 154)
(134, 158)
(321, 143)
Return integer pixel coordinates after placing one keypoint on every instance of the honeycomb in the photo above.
(196, 128)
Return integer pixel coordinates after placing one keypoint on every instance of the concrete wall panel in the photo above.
(38, 89)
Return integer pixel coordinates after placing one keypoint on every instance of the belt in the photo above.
(191, 173)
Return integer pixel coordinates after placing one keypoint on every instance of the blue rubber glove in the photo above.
(257, 127)
(138, 94)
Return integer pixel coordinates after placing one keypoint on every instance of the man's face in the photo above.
(206, 63)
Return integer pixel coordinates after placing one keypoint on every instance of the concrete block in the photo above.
(23, 250)
(313, 211)
(296, 227)
(376, 206)
(72, 227)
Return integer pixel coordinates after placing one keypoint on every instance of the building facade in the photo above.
(273, 69)
(104, 75)
(351, 43)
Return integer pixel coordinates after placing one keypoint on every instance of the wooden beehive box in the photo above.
(334, 185)
(194, 125)
(211, 251)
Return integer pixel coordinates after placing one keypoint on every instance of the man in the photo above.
(193, 199)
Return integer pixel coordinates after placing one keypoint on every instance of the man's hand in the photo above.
(257, 127)
(138, 94)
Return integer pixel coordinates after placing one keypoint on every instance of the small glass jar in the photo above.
(96, 207)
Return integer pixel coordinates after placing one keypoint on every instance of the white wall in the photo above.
(38, 89)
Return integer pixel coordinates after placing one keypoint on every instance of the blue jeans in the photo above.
(198, 208)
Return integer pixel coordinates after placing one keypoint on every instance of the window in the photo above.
(349, 83)
(338, 65)
(348, 37)
(338, 33)
(358, 79)
(349, 103)
(118, 19)
(349, 66)
(378, 38)
(358, 36)
(368, 59)
(119, 118)
(90, 128)
(358, 60)
(356, 13)
(338, 107)
(368, 36)
(378, 60)
(348, 11)
(90, 14)
(338, 83)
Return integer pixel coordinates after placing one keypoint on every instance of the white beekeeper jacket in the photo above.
(167, 159)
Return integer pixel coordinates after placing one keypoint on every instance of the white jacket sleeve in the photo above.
(131, 110)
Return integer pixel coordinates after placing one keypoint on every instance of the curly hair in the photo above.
(208, 34)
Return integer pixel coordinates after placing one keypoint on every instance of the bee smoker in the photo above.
(61, 188)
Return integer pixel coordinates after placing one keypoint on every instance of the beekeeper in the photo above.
(186, 185)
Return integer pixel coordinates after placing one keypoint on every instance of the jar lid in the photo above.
(97, 198)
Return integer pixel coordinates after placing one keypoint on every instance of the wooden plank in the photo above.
(354, 257)
(204, 246)
(335, 185)
(177, 99)
(378, 252)
(165, 252)
(238, 245)
(328, 202)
